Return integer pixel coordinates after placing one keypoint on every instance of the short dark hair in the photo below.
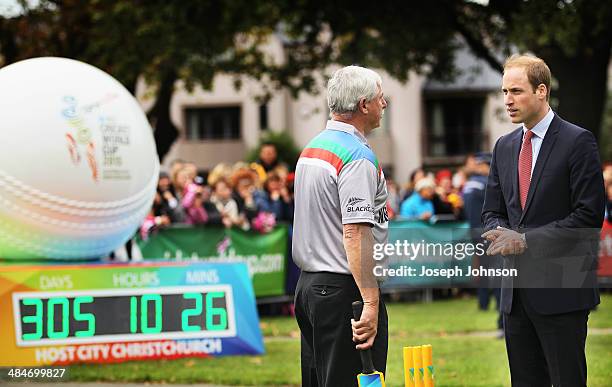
(537, 70)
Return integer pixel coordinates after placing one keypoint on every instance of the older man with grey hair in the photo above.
(340, 212)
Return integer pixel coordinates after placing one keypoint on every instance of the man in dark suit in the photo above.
(544, 205)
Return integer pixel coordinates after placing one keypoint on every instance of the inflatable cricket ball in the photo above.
(78, 163)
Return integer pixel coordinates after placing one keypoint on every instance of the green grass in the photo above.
(459, 360)
(602, 317)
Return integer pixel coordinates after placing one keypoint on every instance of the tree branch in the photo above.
(478, 47)
(164, 130)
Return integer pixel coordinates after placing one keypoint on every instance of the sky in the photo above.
(10, 8)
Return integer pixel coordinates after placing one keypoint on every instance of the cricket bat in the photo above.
(369, 376)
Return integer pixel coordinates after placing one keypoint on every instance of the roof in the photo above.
(474, 75)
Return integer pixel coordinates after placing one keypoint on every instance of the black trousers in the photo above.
(545, 350)
(323, 311)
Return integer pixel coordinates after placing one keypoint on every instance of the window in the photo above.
(454, 126)
(213, 123)
(263, 116)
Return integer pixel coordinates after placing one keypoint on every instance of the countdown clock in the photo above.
(120, 315)
(108, 313)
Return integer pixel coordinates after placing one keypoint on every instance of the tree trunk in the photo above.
(164, 130)
(583, 87)
(8, 48)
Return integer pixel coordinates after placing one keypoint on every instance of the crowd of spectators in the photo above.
(255, 196)
(455, 195)
(250, 196)
(440, 195)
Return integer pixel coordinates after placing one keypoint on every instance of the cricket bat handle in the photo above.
(366, 354)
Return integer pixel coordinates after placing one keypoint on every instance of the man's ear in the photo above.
(542, 90)
(362, 106)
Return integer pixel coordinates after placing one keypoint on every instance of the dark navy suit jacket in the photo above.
(562, 216)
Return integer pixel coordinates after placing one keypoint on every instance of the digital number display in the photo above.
(44, 318)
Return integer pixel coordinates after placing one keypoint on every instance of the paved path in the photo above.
(592, 332)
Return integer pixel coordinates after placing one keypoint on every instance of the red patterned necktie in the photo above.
(524, 167)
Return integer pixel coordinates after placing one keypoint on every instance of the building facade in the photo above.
(427, 123)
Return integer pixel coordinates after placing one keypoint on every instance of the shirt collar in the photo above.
(541, 127)
(348, 128)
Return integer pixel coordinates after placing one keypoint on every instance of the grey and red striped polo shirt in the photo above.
(337, 181)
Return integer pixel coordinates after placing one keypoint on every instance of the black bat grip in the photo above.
(366, 354)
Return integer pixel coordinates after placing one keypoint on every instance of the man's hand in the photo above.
(505, 242)
(364, 330)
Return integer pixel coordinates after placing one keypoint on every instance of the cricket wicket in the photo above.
(418, 366)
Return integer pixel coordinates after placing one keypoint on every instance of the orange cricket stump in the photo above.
(417, 364)
(428, 368)
(408, 367)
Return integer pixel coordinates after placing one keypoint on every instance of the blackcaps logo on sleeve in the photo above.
(354, 205)
(354, 200)
(383, 215)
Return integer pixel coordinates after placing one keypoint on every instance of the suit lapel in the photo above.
(516, 149)
(545, 149)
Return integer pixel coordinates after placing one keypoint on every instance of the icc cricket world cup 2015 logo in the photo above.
(83, 137)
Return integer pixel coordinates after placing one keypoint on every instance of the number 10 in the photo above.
(144, 315)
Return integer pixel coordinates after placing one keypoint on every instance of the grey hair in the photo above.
(348, 86)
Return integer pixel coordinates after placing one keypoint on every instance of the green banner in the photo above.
(264, 254)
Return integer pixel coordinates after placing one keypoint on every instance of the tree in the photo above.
(190, 40)
(574, 37)
(193, 40)
(398, 37)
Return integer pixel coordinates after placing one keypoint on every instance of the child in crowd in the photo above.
(227, 206)
(169, 201)
(155, 219)
(246, 192)
(196, 214)
(276, 198)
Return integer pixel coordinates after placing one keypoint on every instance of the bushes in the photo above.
(288, 151)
